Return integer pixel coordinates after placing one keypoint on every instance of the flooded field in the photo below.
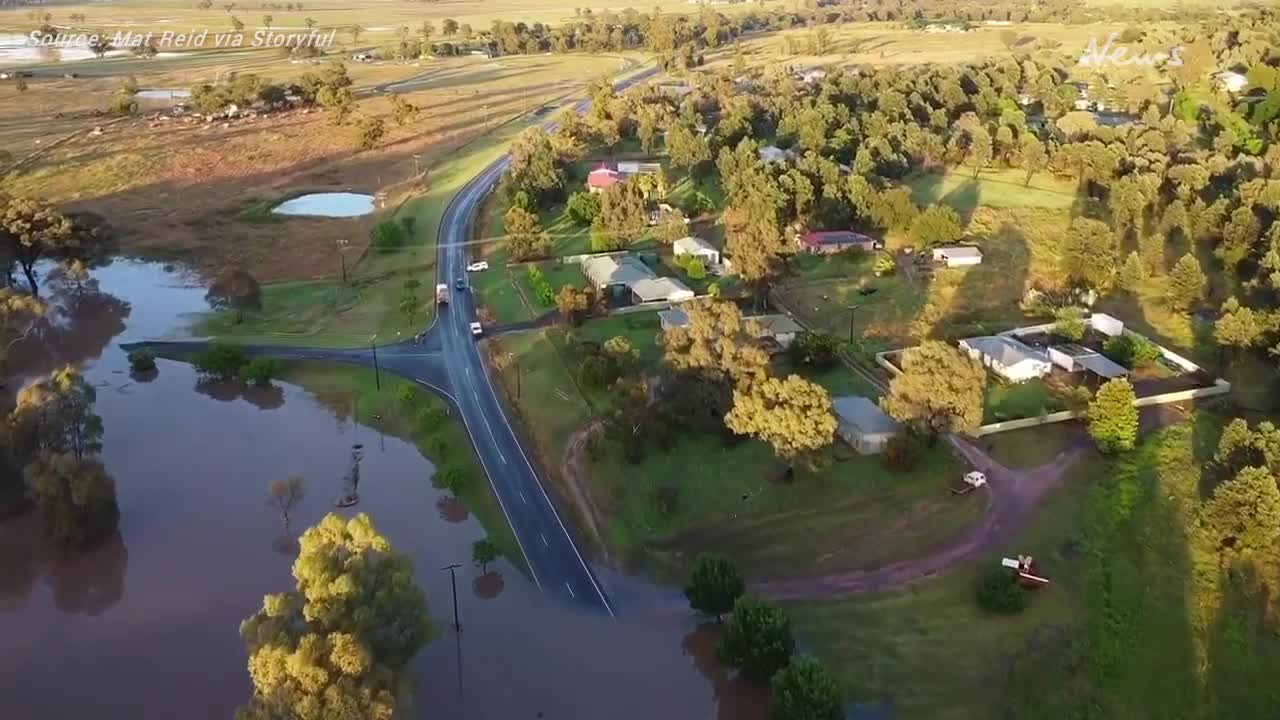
(146, 627)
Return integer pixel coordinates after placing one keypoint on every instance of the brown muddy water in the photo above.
(146, 627)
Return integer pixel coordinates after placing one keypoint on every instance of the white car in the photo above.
(478, 266)
(476, 329)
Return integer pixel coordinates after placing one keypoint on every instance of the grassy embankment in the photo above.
(1144, 618)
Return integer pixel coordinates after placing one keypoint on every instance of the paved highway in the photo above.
(449, 363)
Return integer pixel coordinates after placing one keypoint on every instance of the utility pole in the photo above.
(851, 309)
(377, 377)
(453, 580)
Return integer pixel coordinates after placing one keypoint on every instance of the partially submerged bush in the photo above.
(220, 361)
(142, 360)
(261, 371)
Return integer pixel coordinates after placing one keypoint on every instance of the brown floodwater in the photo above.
(146, 626)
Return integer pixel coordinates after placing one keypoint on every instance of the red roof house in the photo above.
(601, 178)
(834, 241)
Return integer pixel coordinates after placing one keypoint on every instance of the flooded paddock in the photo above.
(146, 626)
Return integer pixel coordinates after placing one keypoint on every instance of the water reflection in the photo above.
(451, 509)
(99, 636)
(85, 582)
(488, 586)
(735, 699)
(263, 397)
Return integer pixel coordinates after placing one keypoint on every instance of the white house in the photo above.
(1231, 81)
(814, 75)
(862, 424)
(957, 255)
(697, 247)
(781, 329)
(659, 289)
(1007, 357)
(771, 154)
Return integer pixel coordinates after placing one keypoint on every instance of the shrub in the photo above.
(261, 371)
(142, 360)
(818, 350)
(541, 288)
(884, 265)
(451, 478)
(437, 447)
(999, 593)
(583, 207)
(900, 452)
(407, 397)
(666, 499)
(695, 269)
(387, 236)
(1131, 351)
(430, 419)
(220, 361)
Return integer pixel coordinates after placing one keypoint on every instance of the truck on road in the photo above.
(442, 294)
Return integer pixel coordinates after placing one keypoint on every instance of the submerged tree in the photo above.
(76, 497)
(757, 639)
(335, 646)
(31, 231)
(483, 552)
(714, 586)
(805, 690)
(284, 496)
(55, 414)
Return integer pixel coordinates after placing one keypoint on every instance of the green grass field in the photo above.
(381, 409)
(1141, 620)
(992, 188)
(1014, 401)
(732, 500)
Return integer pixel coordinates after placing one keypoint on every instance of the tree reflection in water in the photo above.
(88, 581)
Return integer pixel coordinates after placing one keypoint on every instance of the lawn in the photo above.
(733, 501)
(880, 320)
(1014, 401)
(992, 188)
(1032, 447)
(1141, 621)
(381, 409)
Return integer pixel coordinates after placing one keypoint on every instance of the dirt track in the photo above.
(1015, 495)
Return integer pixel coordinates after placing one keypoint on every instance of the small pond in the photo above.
(338, 205)
(145, 626)
(162, 94)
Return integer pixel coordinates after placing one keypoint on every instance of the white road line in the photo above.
(570, 587)
(522, 497)
(496, 494)
(544, 539)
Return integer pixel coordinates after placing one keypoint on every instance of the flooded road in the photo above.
(146, 627)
